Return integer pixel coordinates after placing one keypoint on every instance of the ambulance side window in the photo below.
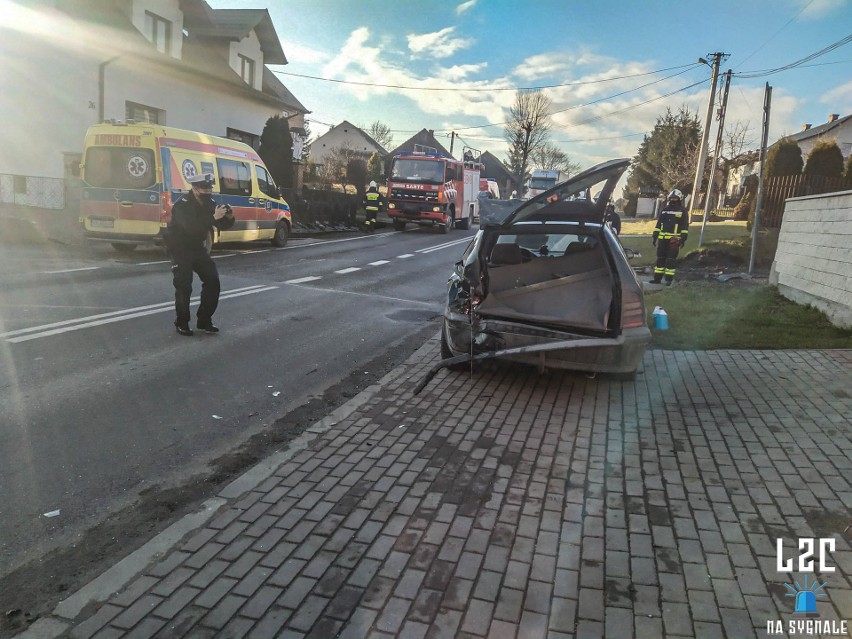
(265, 182)
(234, 177)
(119, 168)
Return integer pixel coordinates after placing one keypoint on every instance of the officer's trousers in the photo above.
(184, 263)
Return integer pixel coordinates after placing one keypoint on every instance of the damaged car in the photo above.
(549, 285)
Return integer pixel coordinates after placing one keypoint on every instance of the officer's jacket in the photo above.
(374, 201)
(191, 222)
(672, 222)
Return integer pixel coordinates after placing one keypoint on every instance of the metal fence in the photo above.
(32, 191)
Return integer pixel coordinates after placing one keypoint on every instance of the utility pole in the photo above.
(702, 155)
(452, 141)
(767, 102)
(716, 153)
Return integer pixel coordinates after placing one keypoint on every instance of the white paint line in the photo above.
(150, 263)
(72, 270)
(216, 257)
(402, 257)
(449, 245)
(345, 239)
(348, 270)
(379, 263)
(302, 280)
(119, 316)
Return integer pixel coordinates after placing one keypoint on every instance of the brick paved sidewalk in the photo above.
(518, 505)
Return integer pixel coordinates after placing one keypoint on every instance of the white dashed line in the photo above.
(379, 263)
(72, 270)
(302, 280)
(348, 270)
(402, 257)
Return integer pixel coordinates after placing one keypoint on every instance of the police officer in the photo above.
(373, 203)
(193, 217)
(669, 235)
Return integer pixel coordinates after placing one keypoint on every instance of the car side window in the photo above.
(265, 182)
(234, 177)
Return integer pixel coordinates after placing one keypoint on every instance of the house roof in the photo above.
(379, 148)
(817, 131)
(424, 137)
(236, 24)
(494, 167)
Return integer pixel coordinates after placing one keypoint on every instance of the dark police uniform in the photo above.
(373, 203)
(669, 235)
(185, 237)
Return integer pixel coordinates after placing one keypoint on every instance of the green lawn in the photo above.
(708, 314)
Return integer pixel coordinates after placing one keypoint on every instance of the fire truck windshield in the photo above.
(427, 171)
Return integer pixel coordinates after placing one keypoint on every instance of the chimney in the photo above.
(832, 117)
(805, 127)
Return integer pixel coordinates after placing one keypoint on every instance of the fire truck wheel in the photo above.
(466, 223)
(398, 225)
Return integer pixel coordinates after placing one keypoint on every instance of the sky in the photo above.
(610, 68)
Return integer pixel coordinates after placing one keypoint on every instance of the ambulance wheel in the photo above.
(282, 234)
(398, 225)
(208, 242)
(123, 248)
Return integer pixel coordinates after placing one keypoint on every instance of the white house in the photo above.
(348, 136)
(836, 129)
(68, 64)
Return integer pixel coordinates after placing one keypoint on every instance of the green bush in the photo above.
(784, 158)
(825, 159)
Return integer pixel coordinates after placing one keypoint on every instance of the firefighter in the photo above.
(193, 217)
(669, 235)
(373, 203)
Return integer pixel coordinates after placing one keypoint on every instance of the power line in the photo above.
(475, 89)
(797, 63)
(786, 24)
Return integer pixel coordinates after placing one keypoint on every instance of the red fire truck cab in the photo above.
(428, 188)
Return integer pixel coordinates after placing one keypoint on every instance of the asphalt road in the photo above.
(103, 401)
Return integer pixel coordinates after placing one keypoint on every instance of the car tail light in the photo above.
(165, 206)
(632, 309)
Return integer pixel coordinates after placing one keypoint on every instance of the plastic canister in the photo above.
(661, 318)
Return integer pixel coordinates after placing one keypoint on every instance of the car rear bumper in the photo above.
(549, 348)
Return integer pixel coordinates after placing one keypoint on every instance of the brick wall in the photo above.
(813, 263)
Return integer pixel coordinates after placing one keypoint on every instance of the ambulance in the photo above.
(133, 173)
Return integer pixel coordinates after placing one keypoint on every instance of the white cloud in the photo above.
(300, 54)
(817, 9)
(464, 6)
(840, 98)
(439, 44)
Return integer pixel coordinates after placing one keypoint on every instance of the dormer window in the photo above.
(159, 31)
(246, 69)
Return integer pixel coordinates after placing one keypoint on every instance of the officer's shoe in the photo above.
(183, 329)
(207, 327)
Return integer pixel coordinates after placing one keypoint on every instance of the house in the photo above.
(345, 136)
(494, 168)
(837, 129)
(423, 138)
(72, 63)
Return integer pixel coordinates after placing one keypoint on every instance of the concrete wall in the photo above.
(813, 263)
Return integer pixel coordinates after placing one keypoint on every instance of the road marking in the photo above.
(117, 315)
(446, 245)
(302, 280)
(402, 257)
(72, 270)
(351, 269)
(379, 263)
(150, 263)
(345, 239)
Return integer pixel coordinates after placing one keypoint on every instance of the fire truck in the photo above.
(428, 188)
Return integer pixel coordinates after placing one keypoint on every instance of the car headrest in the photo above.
(506, 254)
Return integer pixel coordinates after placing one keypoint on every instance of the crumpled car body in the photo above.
(549, 285)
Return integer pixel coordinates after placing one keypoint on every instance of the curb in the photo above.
(114, 579)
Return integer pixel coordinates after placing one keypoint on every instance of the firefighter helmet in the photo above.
(675, 195)
(373, 184)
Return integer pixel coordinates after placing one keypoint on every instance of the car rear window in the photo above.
(119, 168)
(551, 244)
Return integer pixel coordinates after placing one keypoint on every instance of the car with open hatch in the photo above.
(549, 285)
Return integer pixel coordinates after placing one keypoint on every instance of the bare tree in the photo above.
(526, 131)
(336, 164)
(549, 157)
(672, 168)
(737, 149)
(381, 133)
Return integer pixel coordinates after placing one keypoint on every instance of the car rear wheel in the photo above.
(282, 234)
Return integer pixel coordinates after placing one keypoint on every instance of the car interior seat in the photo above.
(506, 254)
